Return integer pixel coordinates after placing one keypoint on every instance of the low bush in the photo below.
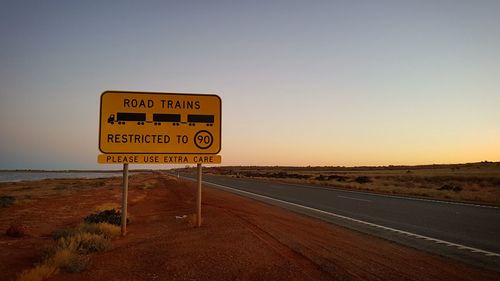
(108, 216)
(496, 182)
(6, 201)
(322, 178)
(362, 179)
(451, 187)
(278, 175)
(338, 178)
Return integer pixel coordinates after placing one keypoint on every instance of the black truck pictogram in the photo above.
(158, 118)
(122, 117)
(196, 118)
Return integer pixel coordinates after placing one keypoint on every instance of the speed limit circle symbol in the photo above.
(203, 139)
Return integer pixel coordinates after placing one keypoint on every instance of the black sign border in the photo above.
(158, 93)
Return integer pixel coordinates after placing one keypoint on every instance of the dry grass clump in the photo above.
(60, 258)
(63, 233)
(84, 243)
(71, 249)
(105, 229)
(69, 261)
(40, 272)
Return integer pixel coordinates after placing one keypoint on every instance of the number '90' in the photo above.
(203, 139)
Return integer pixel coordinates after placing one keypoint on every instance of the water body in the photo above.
(33, 176)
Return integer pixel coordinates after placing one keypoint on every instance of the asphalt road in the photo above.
(451, 224)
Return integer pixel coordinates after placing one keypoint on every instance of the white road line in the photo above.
(352, 198)
(435, 240)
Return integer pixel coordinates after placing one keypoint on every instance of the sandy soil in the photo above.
(241, 239)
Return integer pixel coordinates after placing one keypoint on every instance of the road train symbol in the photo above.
(158, 118)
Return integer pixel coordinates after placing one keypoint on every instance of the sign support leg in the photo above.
(124, 199)
(198, 198)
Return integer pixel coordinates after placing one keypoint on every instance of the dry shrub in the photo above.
(90, 243)
(39, 273)
(61, 257)
(6, 201)
(84, 243)
(362, 179)
(71, 249)
(68, 254)
(109, 230)
(69, 261)
(451, 187)
(64, 258)
(63, 233)
(109, 216)
(105, 229)
(76, 263)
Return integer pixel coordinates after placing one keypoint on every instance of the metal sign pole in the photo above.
(198, 198)
(124, 199)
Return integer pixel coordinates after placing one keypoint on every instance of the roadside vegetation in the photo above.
(71, 249)
(6, 201)
(19, 193)
(22, 192)
(473, 182)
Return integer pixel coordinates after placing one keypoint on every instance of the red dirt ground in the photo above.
(240, 239)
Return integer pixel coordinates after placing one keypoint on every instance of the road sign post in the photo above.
(159, 128)
(124, 200)
(198, 196)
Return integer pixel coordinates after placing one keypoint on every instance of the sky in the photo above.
(315, 83)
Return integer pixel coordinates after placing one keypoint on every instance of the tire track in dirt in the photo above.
(312, 270)
(298, 251)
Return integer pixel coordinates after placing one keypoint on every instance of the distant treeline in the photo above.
(356, 168)
(73, 171)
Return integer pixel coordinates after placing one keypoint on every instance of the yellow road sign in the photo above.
(163, 123)
(158, 159)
